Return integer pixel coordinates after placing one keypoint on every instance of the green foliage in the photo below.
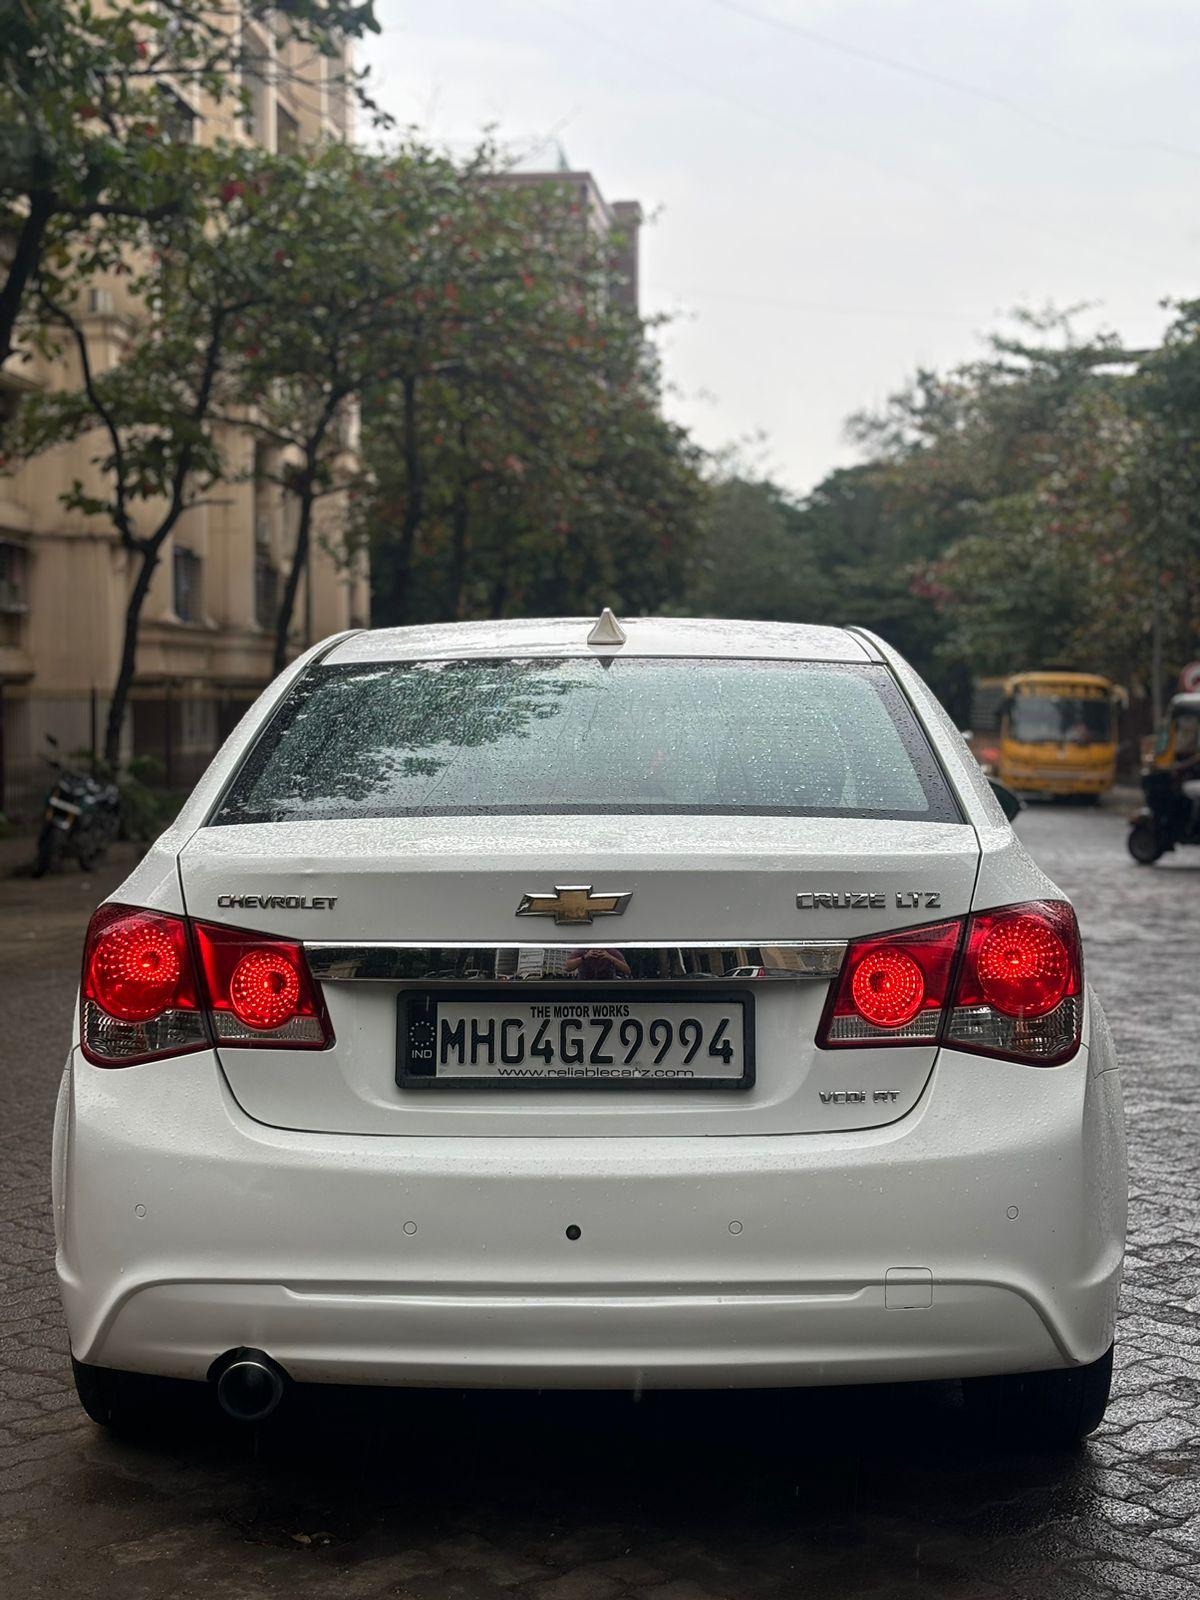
(1086, 548)
(93, 98)
(151, 417)
(1040, 504)
(146, 807)
(518, 458)
(839, 556)
(751, 559)
(1037, 505)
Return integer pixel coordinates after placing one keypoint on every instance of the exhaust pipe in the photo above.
(249, 1385)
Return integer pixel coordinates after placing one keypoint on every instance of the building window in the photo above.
(177, 117)
(256, 71)
(188, 571)
(346, 426)
(11, 389)
(14, 578)
(14, 593)
(337, 100)
(287, 132)
(266, 589)
(266, 537)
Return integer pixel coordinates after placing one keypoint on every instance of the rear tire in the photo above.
(1042, 1408)
(129, 1401)
(48, 847)
(91, 855)
(97, 1391)
(1143, 842)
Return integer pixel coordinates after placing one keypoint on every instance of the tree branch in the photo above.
(25, 261)
(120, 504)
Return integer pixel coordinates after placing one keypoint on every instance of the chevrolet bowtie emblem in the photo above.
(573, 903)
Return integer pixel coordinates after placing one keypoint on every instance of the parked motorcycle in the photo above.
(82, 818)
(1171, 785)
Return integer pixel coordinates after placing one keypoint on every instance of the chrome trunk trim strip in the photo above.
(784, 960)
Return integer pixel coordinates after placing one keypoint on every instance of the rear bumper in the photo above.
(982, 1233)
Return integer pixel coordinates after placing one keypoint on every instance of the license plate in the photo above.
(464, 1039)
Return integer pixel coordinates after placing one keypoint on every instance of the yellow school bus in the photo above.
(1058, 733)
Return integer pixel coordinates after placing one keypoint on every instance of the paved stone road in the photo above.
(824, 1494)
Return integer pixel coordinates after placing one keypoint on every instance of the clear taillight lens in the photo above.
(139, 999)
(1007, 982)
(259, 990)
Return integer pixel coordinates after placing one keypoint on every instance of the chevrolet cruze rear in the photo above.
(506, 1008)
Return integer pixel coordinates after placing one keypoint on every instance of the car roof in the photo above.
(1066, 675)
(568, 636)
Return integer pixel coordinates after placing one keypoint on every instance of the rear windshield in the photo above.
(449, 738)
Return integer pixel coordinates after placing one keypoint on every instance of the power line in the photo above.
(670, 69)
(762, 114)
(955, 85)
(817, 308)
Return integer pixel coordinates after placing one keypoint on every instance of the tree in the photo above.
(495, 337)
(519, 458)
(92, 93)
(751, 560)
(1048, 572)
(1166, 479)
(332, 240)
(400, 273)
(992, 525)
(1038, 504)
(598, 505)
(153, 415)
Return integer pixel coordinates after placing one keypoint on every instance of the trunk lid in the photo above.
(725, 887)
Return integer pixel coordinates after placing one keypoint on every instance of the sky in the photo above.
(839, 191)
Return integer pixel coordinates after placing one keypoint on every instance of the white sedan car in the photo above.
(537, 1003)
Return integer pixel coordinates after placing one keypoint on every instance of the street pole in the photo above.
(1156, 645)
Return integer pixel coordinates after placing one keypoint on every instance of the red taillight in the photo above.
(259, 989)
(1017, 991)
(264, 990)
(892, 988)
(888, 987)
(142, 997)
(135, 968)
(1022, 963)
(139, 999)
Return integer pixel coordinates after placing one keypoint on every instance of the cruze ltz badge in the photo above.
(573, 903)
(869, 899)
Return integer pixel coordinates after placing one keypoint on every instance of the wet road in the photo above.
(873, 1492)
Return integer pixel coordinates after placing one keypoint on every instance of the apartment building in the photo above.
(208, 627)
(620, 220)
